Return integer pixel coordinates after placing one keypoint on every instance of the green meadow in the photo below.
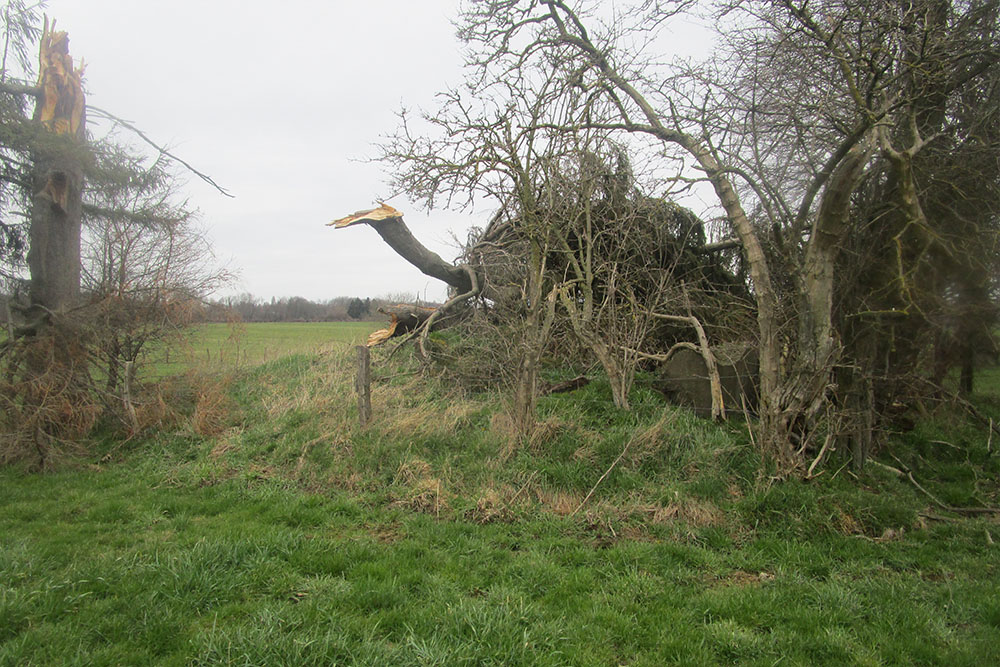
(219, 345)
(281, 532)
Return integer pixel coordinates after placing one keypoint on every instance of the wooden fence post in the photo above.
(363, 385)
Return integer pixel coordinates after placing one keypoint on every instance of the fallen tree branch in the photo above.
(937, 501)
(819, 457)
(388, 222)
(563, 387)
(945, 506)
(606, 473)
(969, 407)
(404, 319)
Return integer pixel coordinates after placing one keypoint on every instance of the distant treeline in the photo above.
(249, 308)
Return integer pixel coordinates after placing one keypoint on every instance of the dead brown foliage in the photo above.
(47, 401)
(212, 409)
(425, 492)
(491, 507)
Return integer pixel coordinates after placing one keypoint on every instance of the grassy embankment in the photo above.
(291, 536)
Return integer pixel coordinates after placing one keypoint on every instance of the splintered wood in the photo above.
(383, 212)
(61, 106)
(403, 320)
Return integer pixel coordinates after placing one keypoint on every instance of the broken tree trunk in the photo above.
(388, 222)
(404, 319)
(50, 380)
(54, 252)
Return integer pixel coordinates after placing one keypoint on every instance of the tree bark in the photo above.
(398, 237)
(817, 348)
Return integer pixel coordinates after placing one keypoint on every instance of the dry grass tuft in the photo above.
(227, 442)
(560, 503)
(845, 524)
(700, 513)
(427, 496)
(410, 408)
(156, 411)
(213, 409)
(695, 513)
(412, 471)
(490, 508)
(649, 442)
(425, 492)
(544, 432)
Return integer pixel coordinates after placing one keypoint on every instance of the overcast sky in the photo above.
(280, 103)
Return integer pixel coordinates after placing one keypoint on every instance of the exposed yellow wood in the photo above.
(382, 335)
(62, 105)
(383, 212)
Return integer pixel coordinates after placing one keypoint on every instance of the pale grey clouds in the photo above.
(280, 103)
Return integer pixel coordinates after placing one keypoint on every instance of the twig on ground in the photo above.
(606, 473)
(946, 443)
(895, 471)
(819, 457)
(945, 506)
(510, 502)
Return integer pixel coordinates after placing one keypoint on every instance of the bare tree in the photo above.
(147, 263)
(487, 144)
(805, 103)
(573, 242)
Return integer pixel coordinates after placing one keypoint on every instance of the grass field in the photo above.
(289, 535)
(232, 345)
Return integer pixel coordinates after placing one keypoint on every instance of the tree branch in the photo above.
(162, 151)
(20, 89)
